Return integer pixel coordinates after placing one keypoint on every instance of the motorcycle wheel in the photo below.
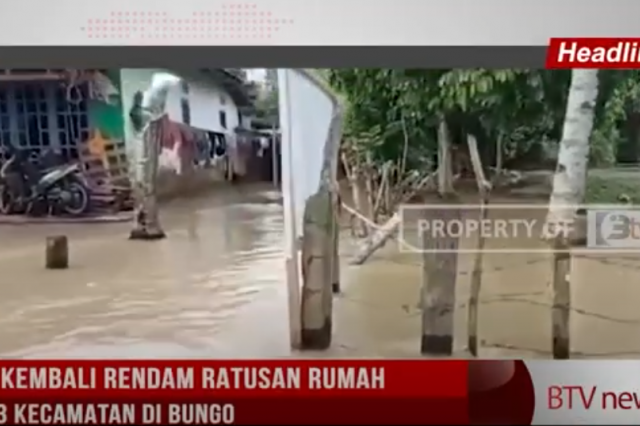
(7, 201)
(79, 199)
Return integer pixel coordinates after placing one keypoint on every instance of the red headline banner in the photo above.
(302, 392)
(238, 411)
(202, 379)
(602, 53)
(233, 392)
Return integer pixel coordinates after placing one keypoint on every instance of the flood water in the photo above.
(215, 288)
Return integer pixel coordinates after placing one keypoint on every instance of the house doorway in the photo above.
(260, 152)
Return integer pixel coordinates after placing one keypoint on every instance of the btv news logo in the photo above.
(613, 228)
(570, 397)
(586, 397)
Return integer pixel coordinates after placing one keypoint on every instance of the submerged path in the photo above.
(215, 288)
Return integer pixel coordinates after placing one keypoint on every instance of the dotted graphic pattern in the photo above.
(232, 22)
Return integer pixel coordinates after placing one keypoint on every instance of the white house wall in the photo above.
(305, 118)
(205, 104)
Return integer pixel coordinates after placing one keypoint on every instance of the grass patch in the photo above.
(613, 189)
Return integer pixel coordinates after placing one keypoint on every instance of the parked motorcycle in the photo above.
(41, 187)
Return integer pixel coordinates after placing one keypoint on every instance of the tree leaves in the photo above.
(524, 107)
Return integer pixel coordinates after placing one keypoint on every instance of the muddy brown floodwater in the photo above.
(215, 288)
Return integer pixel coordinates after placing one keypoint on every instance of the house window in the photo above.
(186, 111)
(223, 119)
(223, 99)
(239, 119)
(38, 116)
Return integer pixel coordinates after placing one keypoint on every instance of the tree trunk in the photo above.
(387, 230)
(569, 185)
(499, 156)
(484, 189)
(377, 240)
(148, 110)
(445, 167)
(635, 132)
(383, 188)
(359, 227)
(335, 271)
(370, 194)
(360, 201)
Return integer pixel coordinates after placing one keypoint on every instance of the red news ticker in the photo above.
(201, 379)
(237, 411)
(602, 53)
(233, 392)
(301, 392)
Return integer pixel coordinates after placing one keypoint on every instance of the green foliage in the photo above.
(521, 107)
(619, 96)
(609, 189)
(266, 103)
(267, 106)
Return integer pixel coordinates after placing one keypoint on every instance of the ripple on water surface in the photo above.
(173, 298)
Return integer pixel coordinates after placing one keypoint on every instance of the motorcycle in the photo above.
(45, 188)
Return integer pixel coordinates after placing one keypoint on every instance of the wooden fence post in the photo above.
(440, 269)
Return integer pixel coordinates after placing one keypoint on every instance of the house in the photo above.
(210, 108)
(84, 114)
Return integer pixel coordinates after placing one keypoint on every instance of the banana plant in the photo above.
(146, 115)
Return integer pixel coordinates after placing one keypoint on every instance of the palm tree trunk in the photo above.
(569, 185)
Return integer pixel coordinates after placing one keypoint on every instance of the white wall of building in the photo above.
(206, 101)
(305, 118)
